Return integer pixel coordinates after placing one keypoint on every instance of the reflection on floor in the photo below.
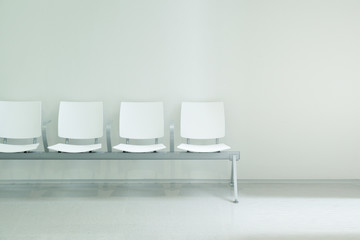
(179, 211)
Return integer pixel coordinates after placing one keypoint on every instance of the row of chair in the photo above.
(138, 120)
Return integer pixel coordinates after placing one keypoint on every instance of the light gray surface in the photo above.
(179, 211)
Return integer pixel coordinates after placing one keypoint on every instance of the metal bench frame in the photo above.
(232, 156)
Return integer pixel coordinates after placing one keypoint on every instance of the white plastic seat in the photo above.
(71, 148)
(13, 148)
(141, 120)
(204, 148)
(202, 120)
(139, 148)
(20, 120)
(79, 120)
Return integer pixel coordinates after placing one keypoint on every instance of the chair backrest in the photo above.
(202, 120)
(80, 120)
(20, 119)
(141, 120)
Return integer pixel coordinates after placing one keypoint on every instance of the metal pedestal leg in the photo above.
(235, 179)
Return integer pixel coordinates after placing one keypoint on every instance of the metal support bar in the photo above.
(67, 141)
(156, 141)
(96, 141)
(127, 141)
(5, 140)
(44, 136)
(34, 140)
(172, 147)
(188, 141)
(217, 141)
(108, 137)
(236, 198)
(226, 155)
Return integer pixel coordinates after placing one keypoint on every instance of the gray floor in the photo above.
(179, 211)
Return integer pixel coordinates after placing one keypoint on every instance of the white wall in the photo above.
(288, 72)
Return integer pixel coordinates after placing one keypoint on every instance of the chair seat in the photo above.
(204, 148)
(11, 148)
(139, 148)
(70, 148)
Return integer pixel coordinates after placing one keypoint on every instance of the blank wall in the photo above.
(288, 72)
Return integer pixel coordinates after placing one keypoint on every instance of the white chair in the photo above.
(79, 120)
(19, 120)
(202, 120)
(141, 120)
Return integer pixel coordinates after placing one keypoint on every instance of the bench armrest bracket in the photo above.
(108, 137)
(172, 136)
(44, 136)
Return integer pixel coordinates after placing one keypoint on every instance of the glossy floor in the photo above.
(179, 211)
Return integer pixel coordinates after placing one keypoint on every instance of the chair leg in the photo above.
(236, 200)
